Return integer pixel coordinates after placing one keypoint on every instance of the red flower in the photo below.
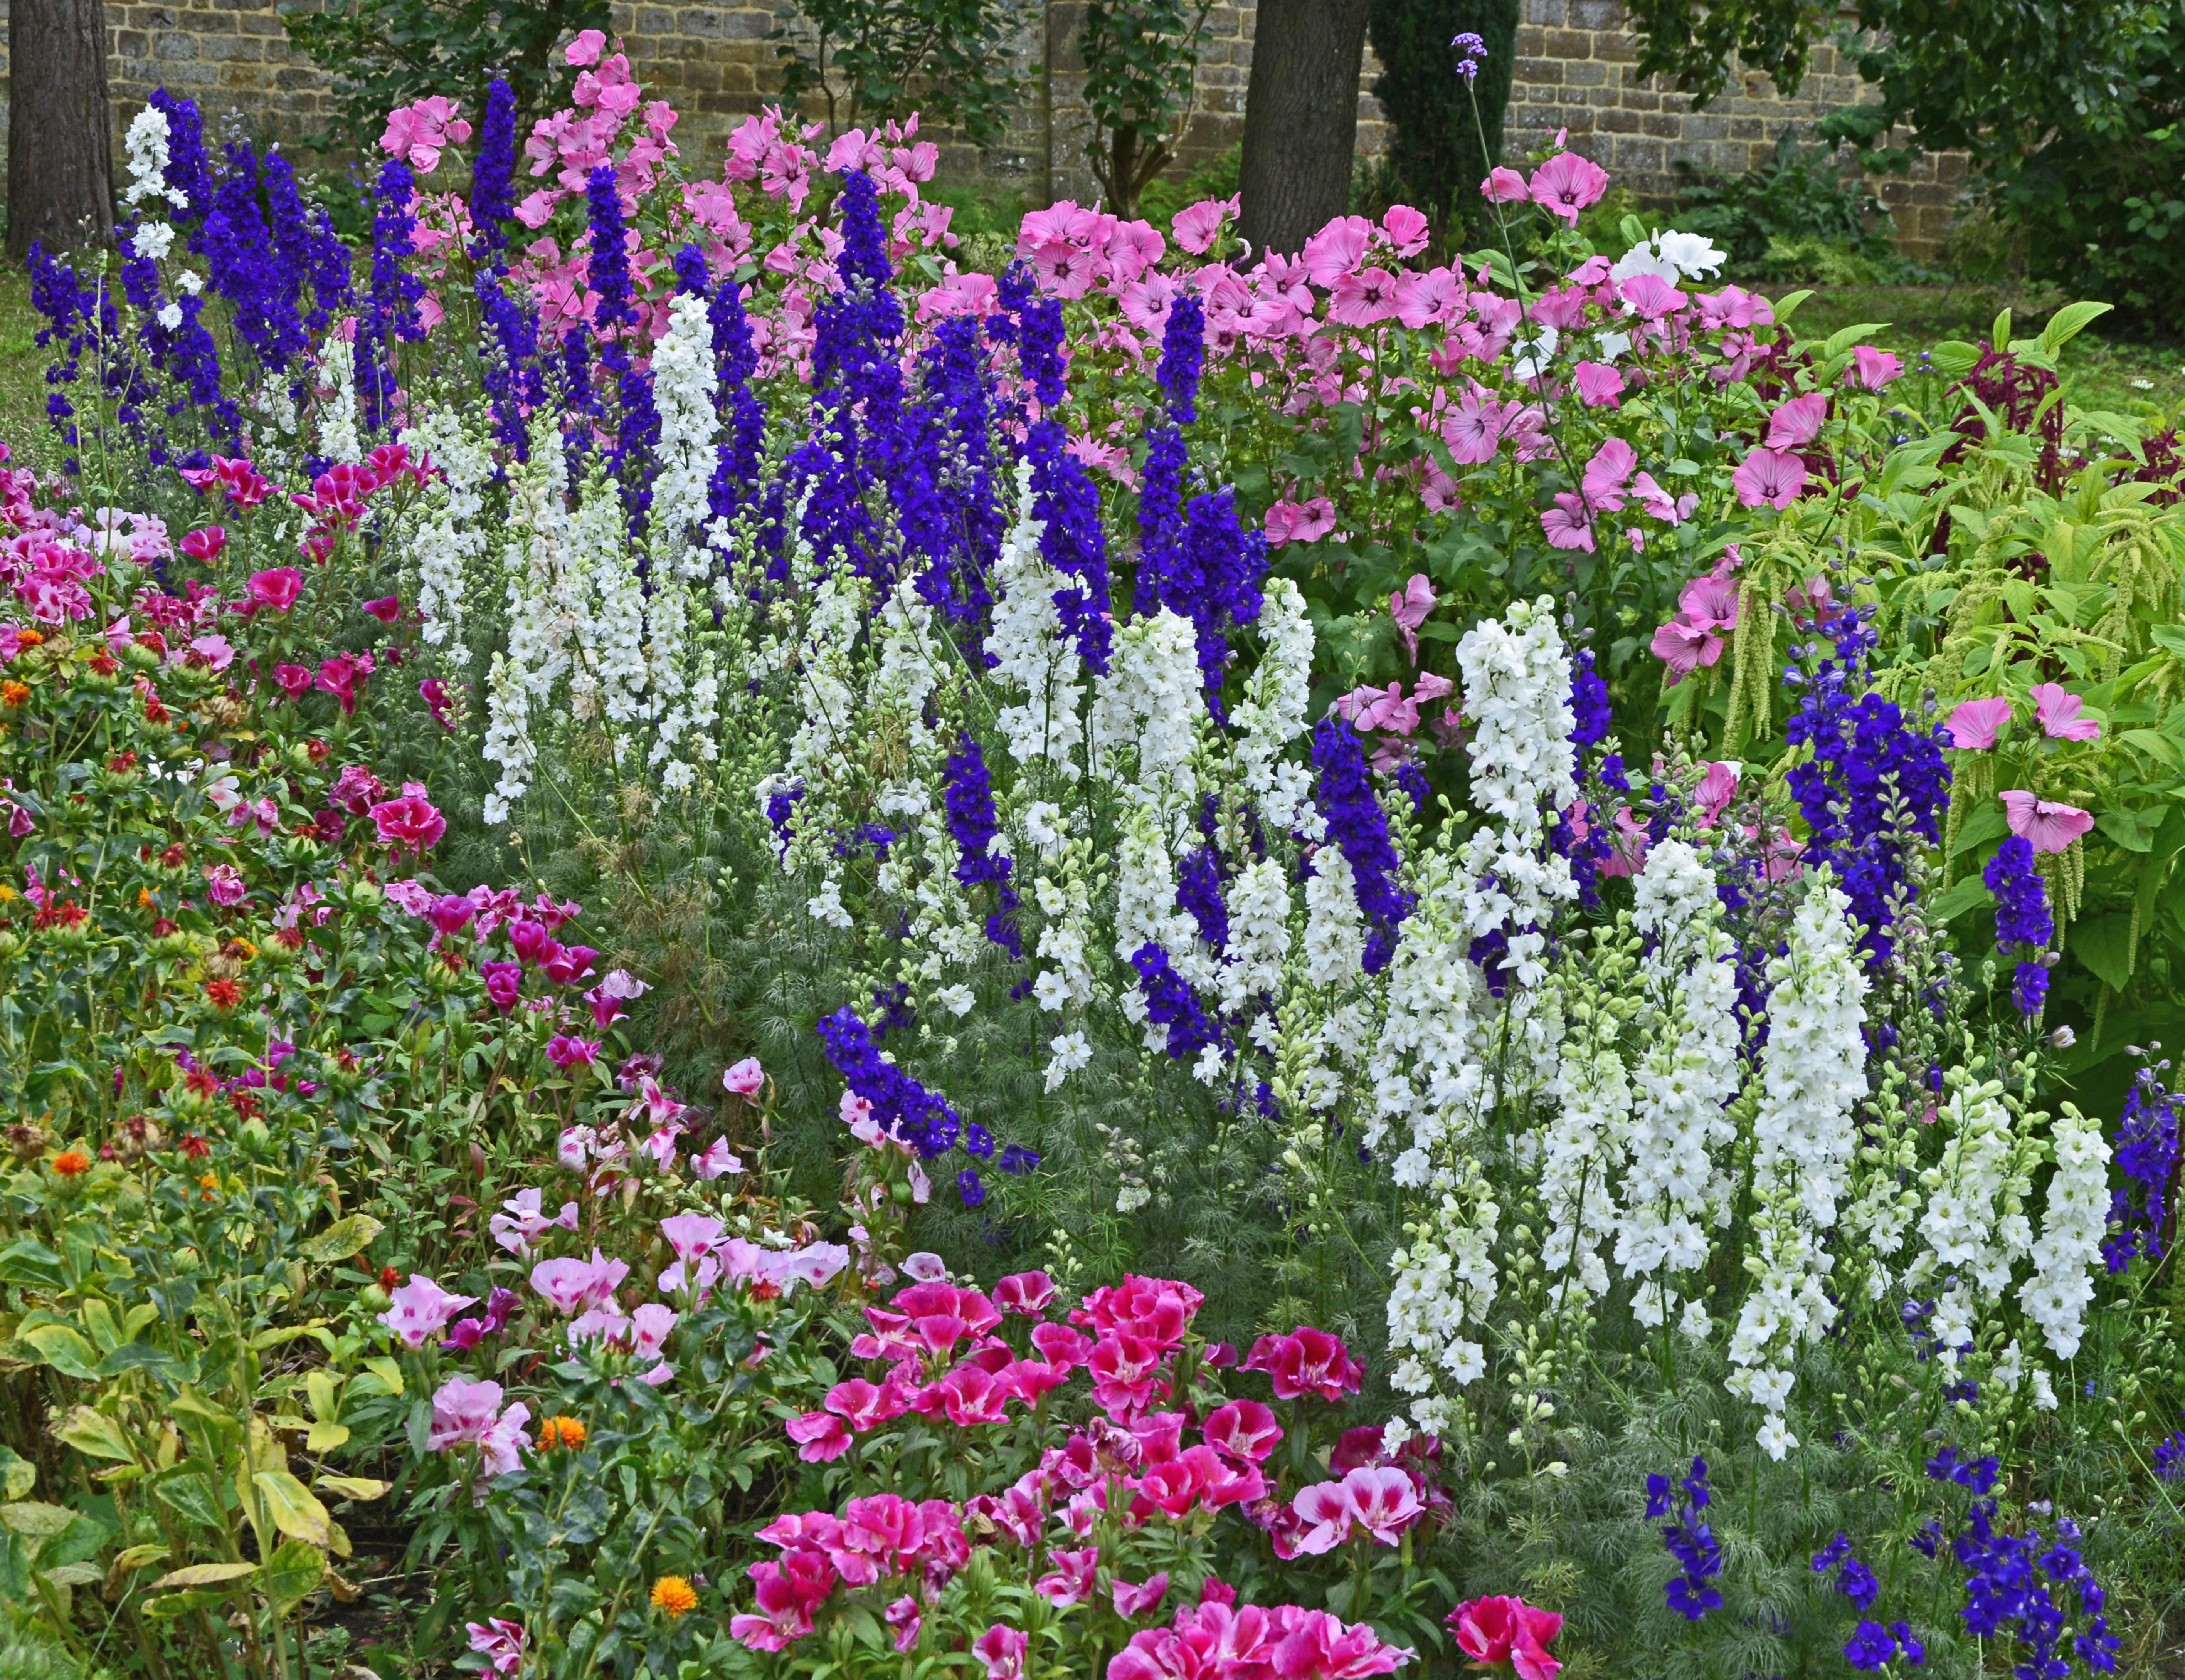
(195, 1146)
(70, 1163)
(1307, 1361)
(410, 822)
(223, 995)
(1493, 1631)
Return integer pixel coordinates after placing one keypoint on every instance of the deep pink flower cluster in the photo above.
(1219, 1639)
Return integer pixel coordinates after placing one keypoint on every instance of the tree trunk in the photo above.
(60, 159)
(1301, 119)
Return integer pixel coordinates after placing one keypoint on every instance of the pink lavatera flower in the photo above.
(1290, 522)
(1716, 789)
(2057, 710)
(1505, 186)
(417, 133)
(1973, 723)
(1567, 184)
(1599, 385)
(420, 1309)
(1769, 477)
(2048, 825)
(1797, 423)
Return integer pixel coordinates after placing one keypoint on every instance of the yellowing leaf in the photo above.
(323, 1389)
(204, 1575)
(96, 1435)
(342, 1239)
(324, 1438)
(135, 1557)
(355, 1487)
(387, 1371)
(294, 1508)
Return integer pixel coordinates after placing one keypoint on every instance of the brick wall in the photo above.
(714, 60)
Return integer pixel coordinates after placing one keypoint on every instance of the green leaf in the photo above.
(2133, 830)
(1988, 823)
(2068, 322)
(295, 1509)
(186, 1492)
(1787, 307)
(28, 1262)
(1954, 357)
(2170, 636)
(387, 1371)
(1843, 338)
(2102, 944)
(292, 1574)
(1969, 894)
(73, 1574)
(343, 1239)
(62, 1348)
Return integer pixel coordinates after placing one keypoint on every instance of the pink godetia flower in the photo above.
(1290, 522)
(225, 886)
(471, 1413)
(1199, 226)
(1135, 1600)
(903, 1615)
(1973, 723)
(1716, 789)
(1244, 1430)
(1368, 709)
(716, 1160)
(1156, 1309)
(210, 653)
(417, 133)
(1499, 1632)
(1707, 608)
(865, 1405)
(924, 1267)
(204, 546)
(523, 1222)
(1505, 186)
(2048, 824)
(409, 823)
(1409, 606)
(294, 681)
(1306, 1361)
(2057, 710)
(1071, 1580)
(277, 589)
(1599, 385)
(745, 1080)
(1024, 1294)
(339, 675)
(1769, 477)
(503, 984)
(1380, 1499)
(387, 609)
(575, 1286)
(692, 1236)
(500, 1641)
(1002, 1648)
(820, 1436)
(420, 1309)
(1797, 423)
(1567, 184)
(788, 1593)
(1873, 369)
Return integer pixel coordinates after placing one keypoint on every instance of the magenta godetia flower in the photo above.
(420, 1308)
(1508, 1633)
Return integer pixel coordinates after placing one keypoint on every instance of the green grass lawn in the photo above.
(2114, 373)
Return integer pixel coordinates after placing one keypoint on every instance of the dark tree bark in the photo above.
(60, 156)
(1301, 119)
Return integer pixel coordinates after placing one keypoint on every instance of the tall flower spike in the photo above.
(492, 196)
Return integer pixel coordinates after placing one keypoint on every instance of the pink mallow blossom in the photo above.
(1768, 478)
(2057, 710)
(420, 1309)
(2048, 824)
(1973, 723)
(471, 1413)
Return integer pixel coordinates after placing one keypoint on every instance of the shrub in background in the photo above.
(1442, 137)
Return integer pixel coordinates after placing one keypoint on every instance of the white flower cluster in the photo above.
(146, 143)
(1032, 656)
(2057, 1295)
(1812, 1073)
(1151, 699)
(1272, 713)
(1675, 1180)
(450, 535)
(683, 385)
(535, 562)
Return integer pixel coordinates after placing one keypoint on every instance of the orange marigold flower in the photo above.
(143, 898)
(71, 1161)
(223, 995)
(209, 1185)
(674, 1596)
(562, 1431)
(30, 638)
(14, 694)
